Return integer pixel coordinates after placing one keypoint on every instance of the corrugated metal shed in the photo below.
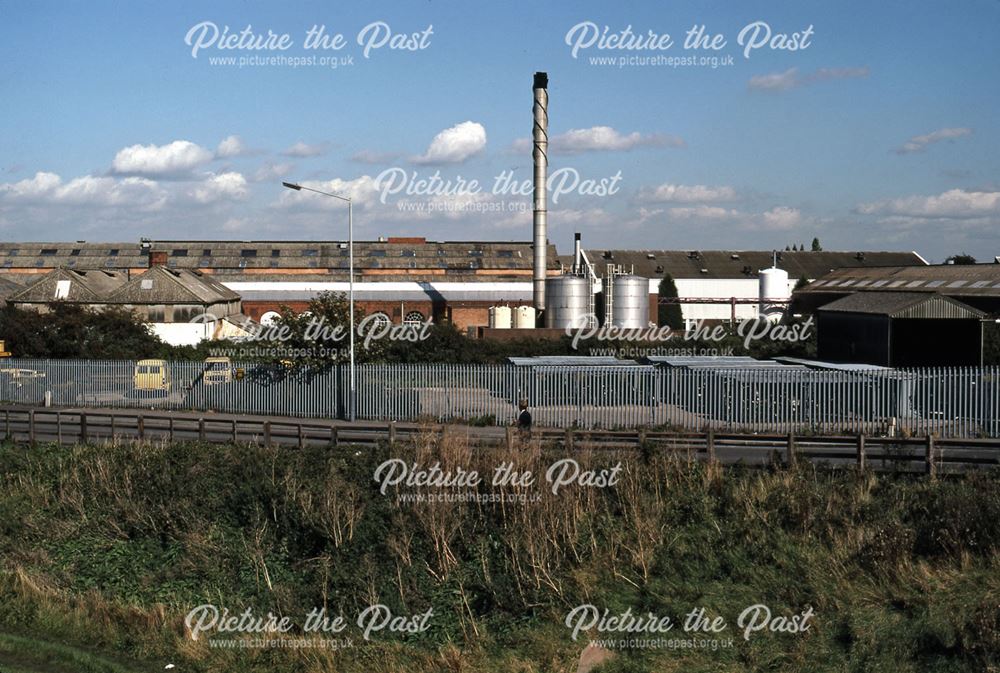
(947, 279)
(903, 305)
(715, 362)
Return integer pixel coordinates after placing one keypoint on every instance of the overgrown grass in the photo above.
(106, 548)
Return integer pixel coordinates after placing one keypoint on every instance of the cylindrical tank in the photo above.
(524, 317)
(500, 317)
(773, 284)
(630, 302)
(567, 301)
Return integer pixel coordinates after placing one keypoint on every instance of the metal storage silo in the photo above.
(524, 317)
(773, 284)
(630, 302)
(500, 317)
(567, 301)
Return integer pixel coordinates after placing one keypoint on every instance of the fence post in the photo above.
(201, 429)
(235, 435)
(334, 439)
(510, 437)
(792, 459)
(392, 433)
(642, 436)
(31, 427)
(112, 428)
(83, 428)
(929, 466)
(59, 428)
(140, 426)
(301, 437)
(170, 429)
(267, 433)
(6, 423)
(569, 439)
(710, 444)
(862, 458)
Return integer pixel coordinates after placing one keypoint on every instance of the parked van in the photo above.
(217, 370)
(152, 375)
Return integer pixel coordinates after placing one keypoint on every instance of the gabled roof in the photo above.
(161, 285)
(71, 285)
(9, 287)
(903, 305)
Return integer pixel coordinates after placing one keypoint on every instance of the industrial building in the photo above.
(900, 329)
(977, 285)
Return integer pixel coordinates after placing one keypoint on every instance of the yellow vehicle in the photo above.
(152, 375)
(217, 370)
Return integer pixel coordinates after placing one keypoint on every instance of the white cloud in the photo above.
(88, 190)
(600, 139)
(222, 187)
(701, 212)
(272, 171)
(370, 157)
(668, 192)
(231, 146)
(953, 204)
(781, 218)
(920, 143)
(362, 191)
(175, 159)
(455, 145)
(791, 79)
(304, 150)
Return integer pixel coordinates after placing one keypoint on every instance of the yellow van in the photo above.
(217, 370)
(152, 375)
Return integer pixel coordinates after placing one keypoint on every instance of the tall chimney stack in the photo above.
(540, 154)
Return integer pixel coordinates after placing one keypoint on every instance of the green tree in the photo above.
(963, 258)
(669, 314)
(319, 337)
(816, 247)
(71, 331)
(800, 283)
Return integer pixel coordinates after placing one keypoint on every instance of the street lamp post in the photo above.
(352, 394)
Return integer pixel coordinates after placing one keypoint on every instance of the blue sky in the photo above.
(880, 134)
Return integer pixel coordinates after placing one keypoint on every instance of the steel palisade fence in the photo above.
(948, 402)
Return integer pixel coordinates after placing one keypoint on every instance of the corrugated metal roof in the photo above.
(714, 362)
(903, 305)
(572, 360)
(741, 263)
(951, 279)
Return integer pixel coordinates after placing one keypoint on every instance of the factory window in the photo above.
(310, 252)
(248, 252)
(172, 263)
(380, 318)
(71, 263)
(179, 252)
(475, 253)
(312, 264)
(12, 252)
(243, 263)
(110, 262)
(505, 253)
(75, 252)
(207, 252)
(274, 263)
(441, 252)
(414, 317)
(40, 262)
(7, 263)
(47, 252)
(276, 253)
(113, 252)
(408, 253)
(376, 253)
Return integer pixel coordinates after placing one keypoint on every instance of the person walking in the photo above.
(524, 418)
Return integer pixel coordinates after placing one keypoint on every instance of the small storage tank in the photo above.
(773, 284)
(567, 301)
(524, 317)
(630, 302)
(500, 317)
